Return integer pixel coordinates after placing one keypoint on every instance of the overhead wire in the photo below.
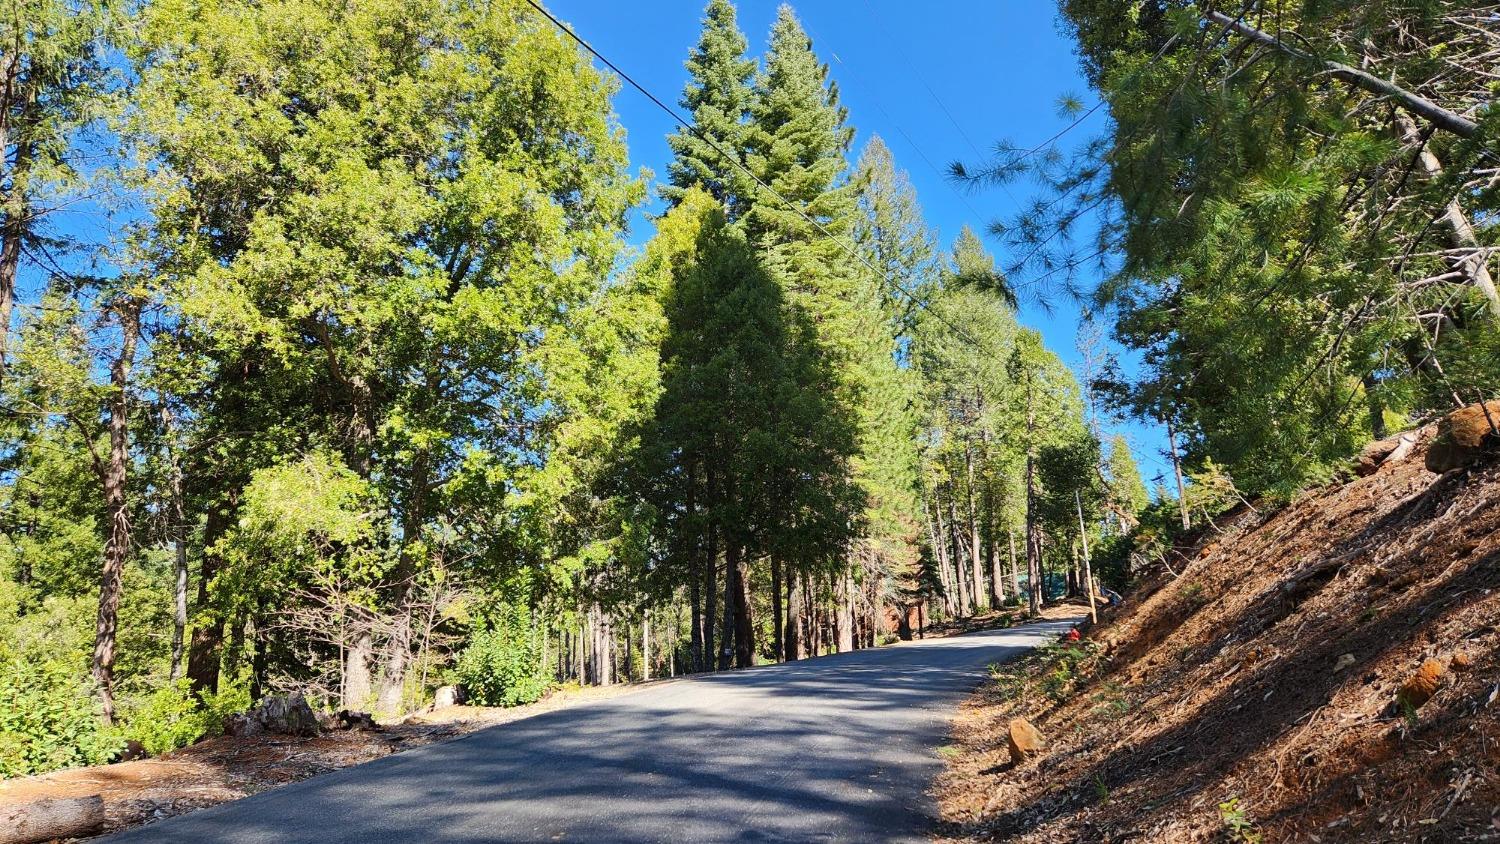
(693, 129)
(885, 279)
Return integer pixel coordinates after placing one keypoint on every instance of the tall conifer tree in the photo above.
(718, 96)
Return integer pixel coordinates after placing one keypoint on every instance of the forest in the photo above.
(329, 364)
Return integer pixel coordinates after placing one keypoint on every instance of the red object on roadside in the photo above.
(1072, 635)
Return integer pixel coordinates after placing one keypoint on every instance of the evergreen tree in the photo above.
(894, 237)
(798, 142)
(718, 97)
(345, 266)
(1127, 492)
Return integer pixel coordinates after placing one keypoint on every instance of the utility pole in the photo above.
(1088, 573)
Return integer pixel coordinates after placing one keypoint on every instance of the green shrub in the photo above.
(1237, 824)
(501, 665)
(173, 717)
(169, 718)
(49, 720)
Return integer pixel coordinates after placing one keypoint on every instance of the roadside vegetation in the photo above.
(326, 370)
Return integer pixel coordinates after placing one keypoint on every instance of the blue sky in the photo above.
(938, 80)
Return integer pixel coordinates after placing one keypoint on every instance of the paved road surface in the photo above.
(840, 748)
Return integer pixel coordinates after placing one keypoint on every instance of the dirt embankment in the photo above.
(1275, 689)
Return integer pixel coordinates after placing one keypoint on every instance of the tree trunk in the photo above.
(695, 635)
(17, 219)
(1015, 572)
(991, 553)
(117, 511)
(960, 579)
(581, 649)
(50, 819)
(629, 670)
(391, 700)
(1182, 507)
(976, 588)
(358, 685)
(710, 602)
(178, 533)
(1475, 264)
(646, 644)
(744, 628)
(727, 623)
(935, 531)
(792, 642)
(777, 652)
(1088, 573)
(845, 622)
(1033, 539)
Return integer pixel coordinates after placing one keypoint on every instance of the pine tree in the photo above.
(718, 97)
(1127, 492)
(893, 236)
(798, 144)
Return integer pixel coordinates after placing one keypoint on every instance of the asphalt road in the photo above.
(840, 748)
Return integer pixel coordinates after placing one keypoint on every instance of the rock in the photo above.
(1420, 687)
(1372, 455)
(1463, 437)
(449, 696)
(1025, 740)
(1344, 661)
(241, 724)
(284, 715)
(356, 721)
(1461, 662)
(50, 818)
(133, 750)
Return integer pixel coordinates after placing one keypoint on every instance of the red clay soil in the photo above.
(1254, 695)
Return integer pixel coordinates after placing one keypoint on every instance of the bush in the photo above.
(170, 717)
(173, 717)
(49, 720)
(501, 665)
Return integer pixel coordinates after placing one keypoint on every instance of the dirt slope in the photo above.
(1266, 673)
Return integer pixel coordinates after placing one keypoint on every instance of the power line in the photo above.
(917, 73)
(688, 125)
(921, 153)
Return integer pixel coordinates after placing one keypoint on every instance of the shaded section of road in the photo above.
(833, 749)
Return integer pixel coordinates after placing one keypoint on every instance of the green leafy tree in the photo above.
(349, 265)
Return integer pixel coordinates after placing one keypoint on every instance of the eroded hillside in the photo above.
(1254, 695)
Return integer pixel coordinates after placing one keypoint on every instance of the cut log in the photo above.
(49, 818)
(1381, 452)
(1464, 437)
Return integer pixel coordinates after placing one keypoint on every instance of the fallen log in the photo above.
(49, 818)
